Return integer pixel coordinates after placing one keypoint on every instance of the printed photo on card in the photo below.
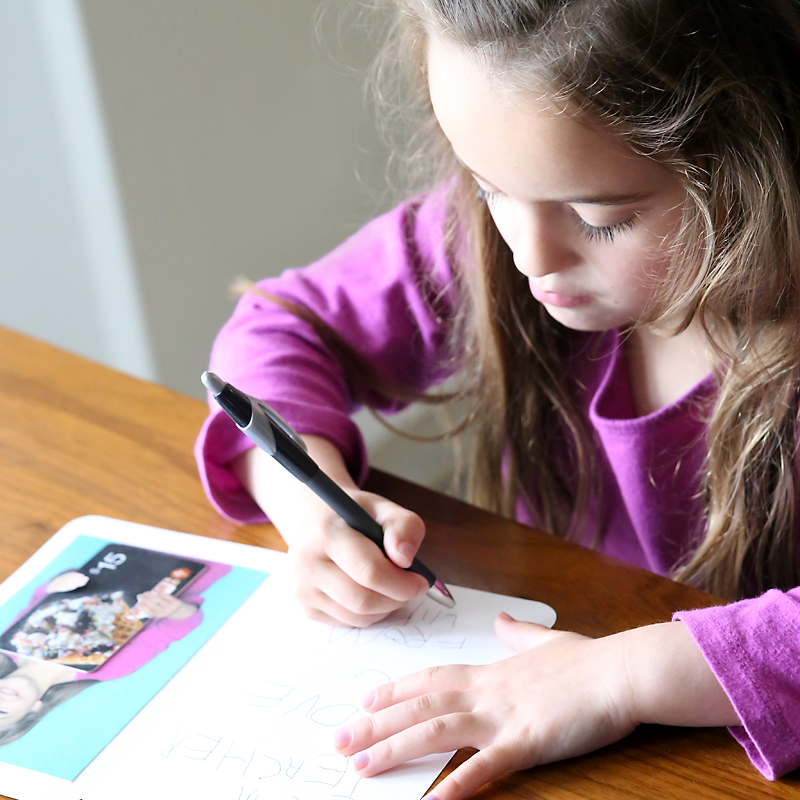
(91, 639)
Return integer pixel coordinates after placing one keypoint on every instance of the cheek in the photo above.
(636, 281)
(504, 220)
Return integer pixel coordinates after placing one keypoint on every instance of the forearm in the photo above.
(670, 681)
(278, 493)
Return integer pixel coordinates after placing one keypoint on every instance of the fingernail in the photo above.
(368, 699)
(505, 616)
(360, 760)
(407, 552)
(433, 796)
(342, 738)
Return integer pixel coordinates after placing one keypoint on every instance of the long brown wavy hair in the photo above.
(709, 88)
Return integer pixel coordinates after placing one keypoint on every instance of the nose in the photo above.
(540, 246)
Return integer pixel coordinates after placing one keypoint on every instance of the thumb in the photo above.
(521, 636)
(403, 534)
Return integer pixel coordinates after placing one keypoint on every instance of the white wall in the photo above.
(153, 151)
(64, 258)
(240, 147)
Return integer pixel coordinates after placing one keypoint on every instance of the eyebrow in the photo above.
(593, 200)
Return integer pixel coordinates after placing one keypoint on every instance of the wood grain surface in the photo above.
(77, 438)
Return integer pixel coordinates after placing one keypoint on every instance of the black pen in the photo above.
(274, 435)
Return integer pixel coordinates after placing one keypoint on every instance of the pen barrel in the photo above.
(291, 457)
(273, 435)
(357, 518)
(418, 567)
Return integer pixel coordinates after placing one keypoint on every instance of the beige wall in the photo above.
(154, 150)
(241, 146)
(65, 264)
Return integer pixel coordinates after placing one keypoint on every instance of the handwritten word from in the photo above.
(417, 626)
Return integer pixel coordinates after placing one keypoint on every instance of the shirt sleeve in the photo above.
(388, 291)
(753, 648)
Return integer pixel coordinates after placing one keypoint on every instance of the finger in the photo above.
(152, 602)
(476, 771)
(73, 580)
(450, 678)
(368, 731)
(366, 564)
(521, 636)
(344, 591)
(319, 607)
(437, 735)
(315, 576)
(403, 532)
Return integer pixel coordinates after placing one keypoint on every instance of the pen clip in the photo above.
(276, 419)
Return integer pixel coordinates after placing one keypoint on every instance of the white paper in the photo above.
(252, 715)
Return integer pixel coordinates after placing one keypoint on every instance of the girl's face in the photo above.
(588, 221)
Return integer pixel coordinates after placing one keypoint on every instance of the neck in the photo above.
(661, 369)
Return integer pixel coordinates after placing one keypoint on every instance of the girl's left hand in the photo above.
(563, 695)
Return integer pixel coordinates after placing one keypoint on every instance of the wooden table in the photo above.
(77, 438)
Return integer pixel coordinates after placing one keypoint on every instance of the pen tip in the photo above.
(441, 594)
(213, 383)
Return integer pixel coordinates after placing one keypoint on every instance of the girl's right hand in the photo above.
(343, 578)
(340, 576)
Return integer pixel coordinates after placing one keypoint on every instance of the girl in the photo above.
(611, 263)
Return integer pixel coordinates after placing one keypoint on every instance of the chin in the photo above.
(586, 323)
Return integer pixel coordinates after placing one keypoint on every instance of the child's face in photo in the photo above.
(588, 221)
(18, 695)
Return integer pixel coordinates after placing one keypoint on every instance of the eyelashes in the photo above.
(486, 196)
(604, 233)
(594, 233)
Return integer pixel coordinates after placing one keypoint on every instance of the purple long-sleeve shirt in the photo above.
(389, 292)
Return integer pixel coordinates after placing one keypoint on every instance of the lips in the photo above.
(557, 299)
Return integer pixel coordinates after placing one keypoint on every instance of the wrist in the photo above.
(257, 469)
(330, 461)
(287, 501)
(671, 683)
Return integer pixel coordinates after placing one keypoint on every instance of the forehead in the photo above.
(521, 139)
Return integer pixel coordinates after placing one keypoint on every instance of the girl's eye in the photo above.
(605, 233)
